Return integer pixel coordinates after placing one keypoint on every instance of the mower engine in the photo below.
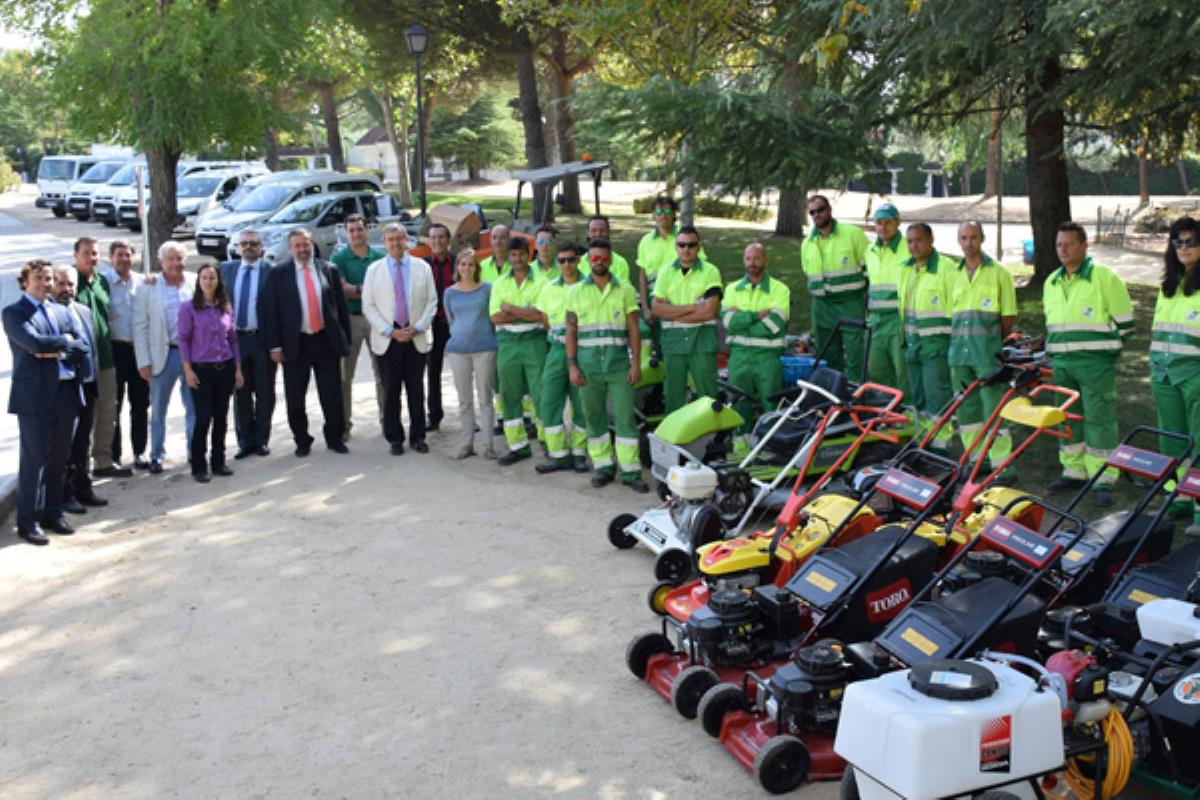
(692, 488)
(806, 693)
(743, 628)
(978, 564)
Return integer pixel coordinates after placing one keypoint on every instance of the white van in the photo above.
(217, 228)
(200, 191)
(79, 197)
(127, 211)
(104, 198)
(54, 179)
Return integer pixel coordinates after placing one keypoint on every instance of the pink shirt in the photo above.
(208, 336)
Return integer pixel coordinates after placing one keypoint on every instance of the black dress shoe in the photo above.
(155, 467)
(73, 506)
(201, 477)
(262, 450)
(431, 426)
(114, 471)
(222, 470)
(243, 452)
(90, 498)
(303, 449)
(33, 534)
(338, 447)
(397, 448)
(421, 447)
(140, 462)
(58, 524)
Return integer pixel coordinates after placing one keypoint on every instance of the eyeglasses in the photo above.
(599, 259)
(543, 241)
(250, 244)
(567, 259)
(812, 212)
(663, 212)
(1182, 243)
(687, 245)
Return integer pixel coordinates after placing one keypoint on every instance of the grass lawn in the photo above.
(725, 241)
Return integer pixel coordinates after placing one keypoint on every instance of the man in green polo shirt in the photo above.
(598, 228)
(833, 257)
(687, 300)
(885, 257)
(656, 249)
(520, 345)
(544, 248)
(494, 265)
(755, 312)
(352, 262)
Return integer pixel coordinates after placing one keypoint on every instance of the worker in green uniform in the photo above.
(687, 299)
(520, 345)
(755, 310)
(602, 330)
(598, 228)
(925, 306)
(833, 257)
(566, 446)
(1175, 348)
(983, 309)
(543, 255)
(1088, 315)
(885, 255)
(656, 250)
(494, 265)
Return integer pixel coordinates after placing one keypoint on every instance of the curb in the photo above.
(8, 496)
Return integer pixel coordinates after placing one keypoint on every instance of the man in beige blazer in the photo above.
(399, 300)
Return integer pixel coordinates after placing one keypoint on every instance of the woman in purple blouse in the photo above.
(208, 347)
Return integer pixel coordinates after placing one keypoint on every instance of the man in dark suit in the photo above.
(246, 282)
(308, 331)
(50, 358)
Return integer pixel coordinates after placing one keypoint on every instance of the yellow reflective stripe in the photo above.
(676, 324)
(603, 341)
(846, 287)
(1178, 327)
(1067, 347)
(880, 305)
(1175, 348)
(1080, 327)
(752, 341)
(518, 327)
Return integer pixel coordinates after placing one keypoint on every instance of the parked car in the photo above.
(104, 198)
(219, 226)
(54, 179)
(79, 196)
(324, 216)
(127, 211)
(199, 192)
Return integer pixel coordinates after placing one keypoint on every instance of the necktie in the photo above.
(314, 309)
(243, 311)
(401, 300)
(64, 370)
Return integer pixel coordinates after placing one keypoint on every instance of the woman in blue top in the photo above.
(471, 352)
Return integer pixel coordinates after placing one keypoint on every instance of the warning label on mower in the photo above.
(995, 745)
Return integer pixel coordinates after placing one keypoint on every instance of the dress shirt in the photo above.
(406, 276)
(207, 336)
(247, 272)
(172, 298)
(303, 290)
(122, 295)
(443, 278)
(83, 326)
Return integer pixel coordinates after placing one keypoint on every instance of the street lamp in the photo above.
(417, 37)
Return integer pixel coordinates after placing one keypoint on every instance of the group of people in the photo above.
(552, 329)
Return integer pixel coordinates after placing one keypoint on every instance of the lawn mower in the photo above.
(782, 726)
(700, 498)
(850, 591)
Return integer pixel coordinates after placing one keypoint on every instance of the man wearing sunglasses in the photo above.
(602, 330)
(566, 446)
(657, 248)
(833, 257)
(687, 299)
(1088, 316)
(755, 313)
(543, 252)
(598, 228)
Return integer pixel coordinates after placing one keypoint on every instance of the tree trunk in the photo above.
(564, 123)
(531, 119)
(1143, 181)
(161, 161)
(473, 172)
(1184, 184)
(687, 191)
(271, 148)
(966, 181)
(1046, 166)
(333, 130)
(790, 220)
(398, 138)
(991, 183)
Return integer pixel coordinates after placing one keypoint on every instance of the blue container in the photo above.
(797, 368)
(1028, 244)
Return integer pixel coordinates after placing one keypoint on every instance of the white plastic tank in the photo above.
(905, 743)
(692, 481)
(1168, 622)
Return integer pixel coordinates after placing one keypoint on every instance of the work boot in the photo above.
(553, 465)
(601, 479)
(513, 456)
(1063, 484)
(581, 464)
(637, 484)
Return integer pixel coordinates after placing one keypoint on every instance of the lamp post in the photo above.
(417, 37)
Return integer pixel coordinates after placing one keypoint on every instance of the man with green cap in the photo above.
(885, 257)
(925, 306)
(755, 313)
(833, 257)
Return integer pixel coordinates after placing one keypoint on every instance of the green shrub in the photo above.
(716, 207)
(644, 205)
(10, 181)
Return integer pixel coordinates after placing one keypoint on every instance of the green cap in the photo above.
(887, 211)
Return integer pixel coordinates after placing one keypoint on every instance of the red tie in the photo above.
(314, 309)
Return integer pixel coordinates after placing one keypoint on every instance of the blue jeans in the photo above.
(160, 397)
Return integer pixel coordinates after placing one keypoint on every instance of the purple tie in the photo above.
(401, 301)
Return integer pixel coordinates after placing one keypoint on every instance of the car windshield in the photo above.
(197, 186)
(100, 173)
(305, 210)
(239, 196)
(56, 169)
(123, 176)
(265, 198)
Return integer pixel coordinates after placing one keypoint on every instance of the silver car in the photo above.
(324, 216)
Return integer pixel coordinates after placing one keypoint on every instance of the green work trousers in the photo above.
(885, 363)
(929, 391)
(845, 350)
(976, 408)
(519, 364)
(758, 372)
(1178, 407)
(1086, 452)
(552, 401)
(603, 391)
(676, 368)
